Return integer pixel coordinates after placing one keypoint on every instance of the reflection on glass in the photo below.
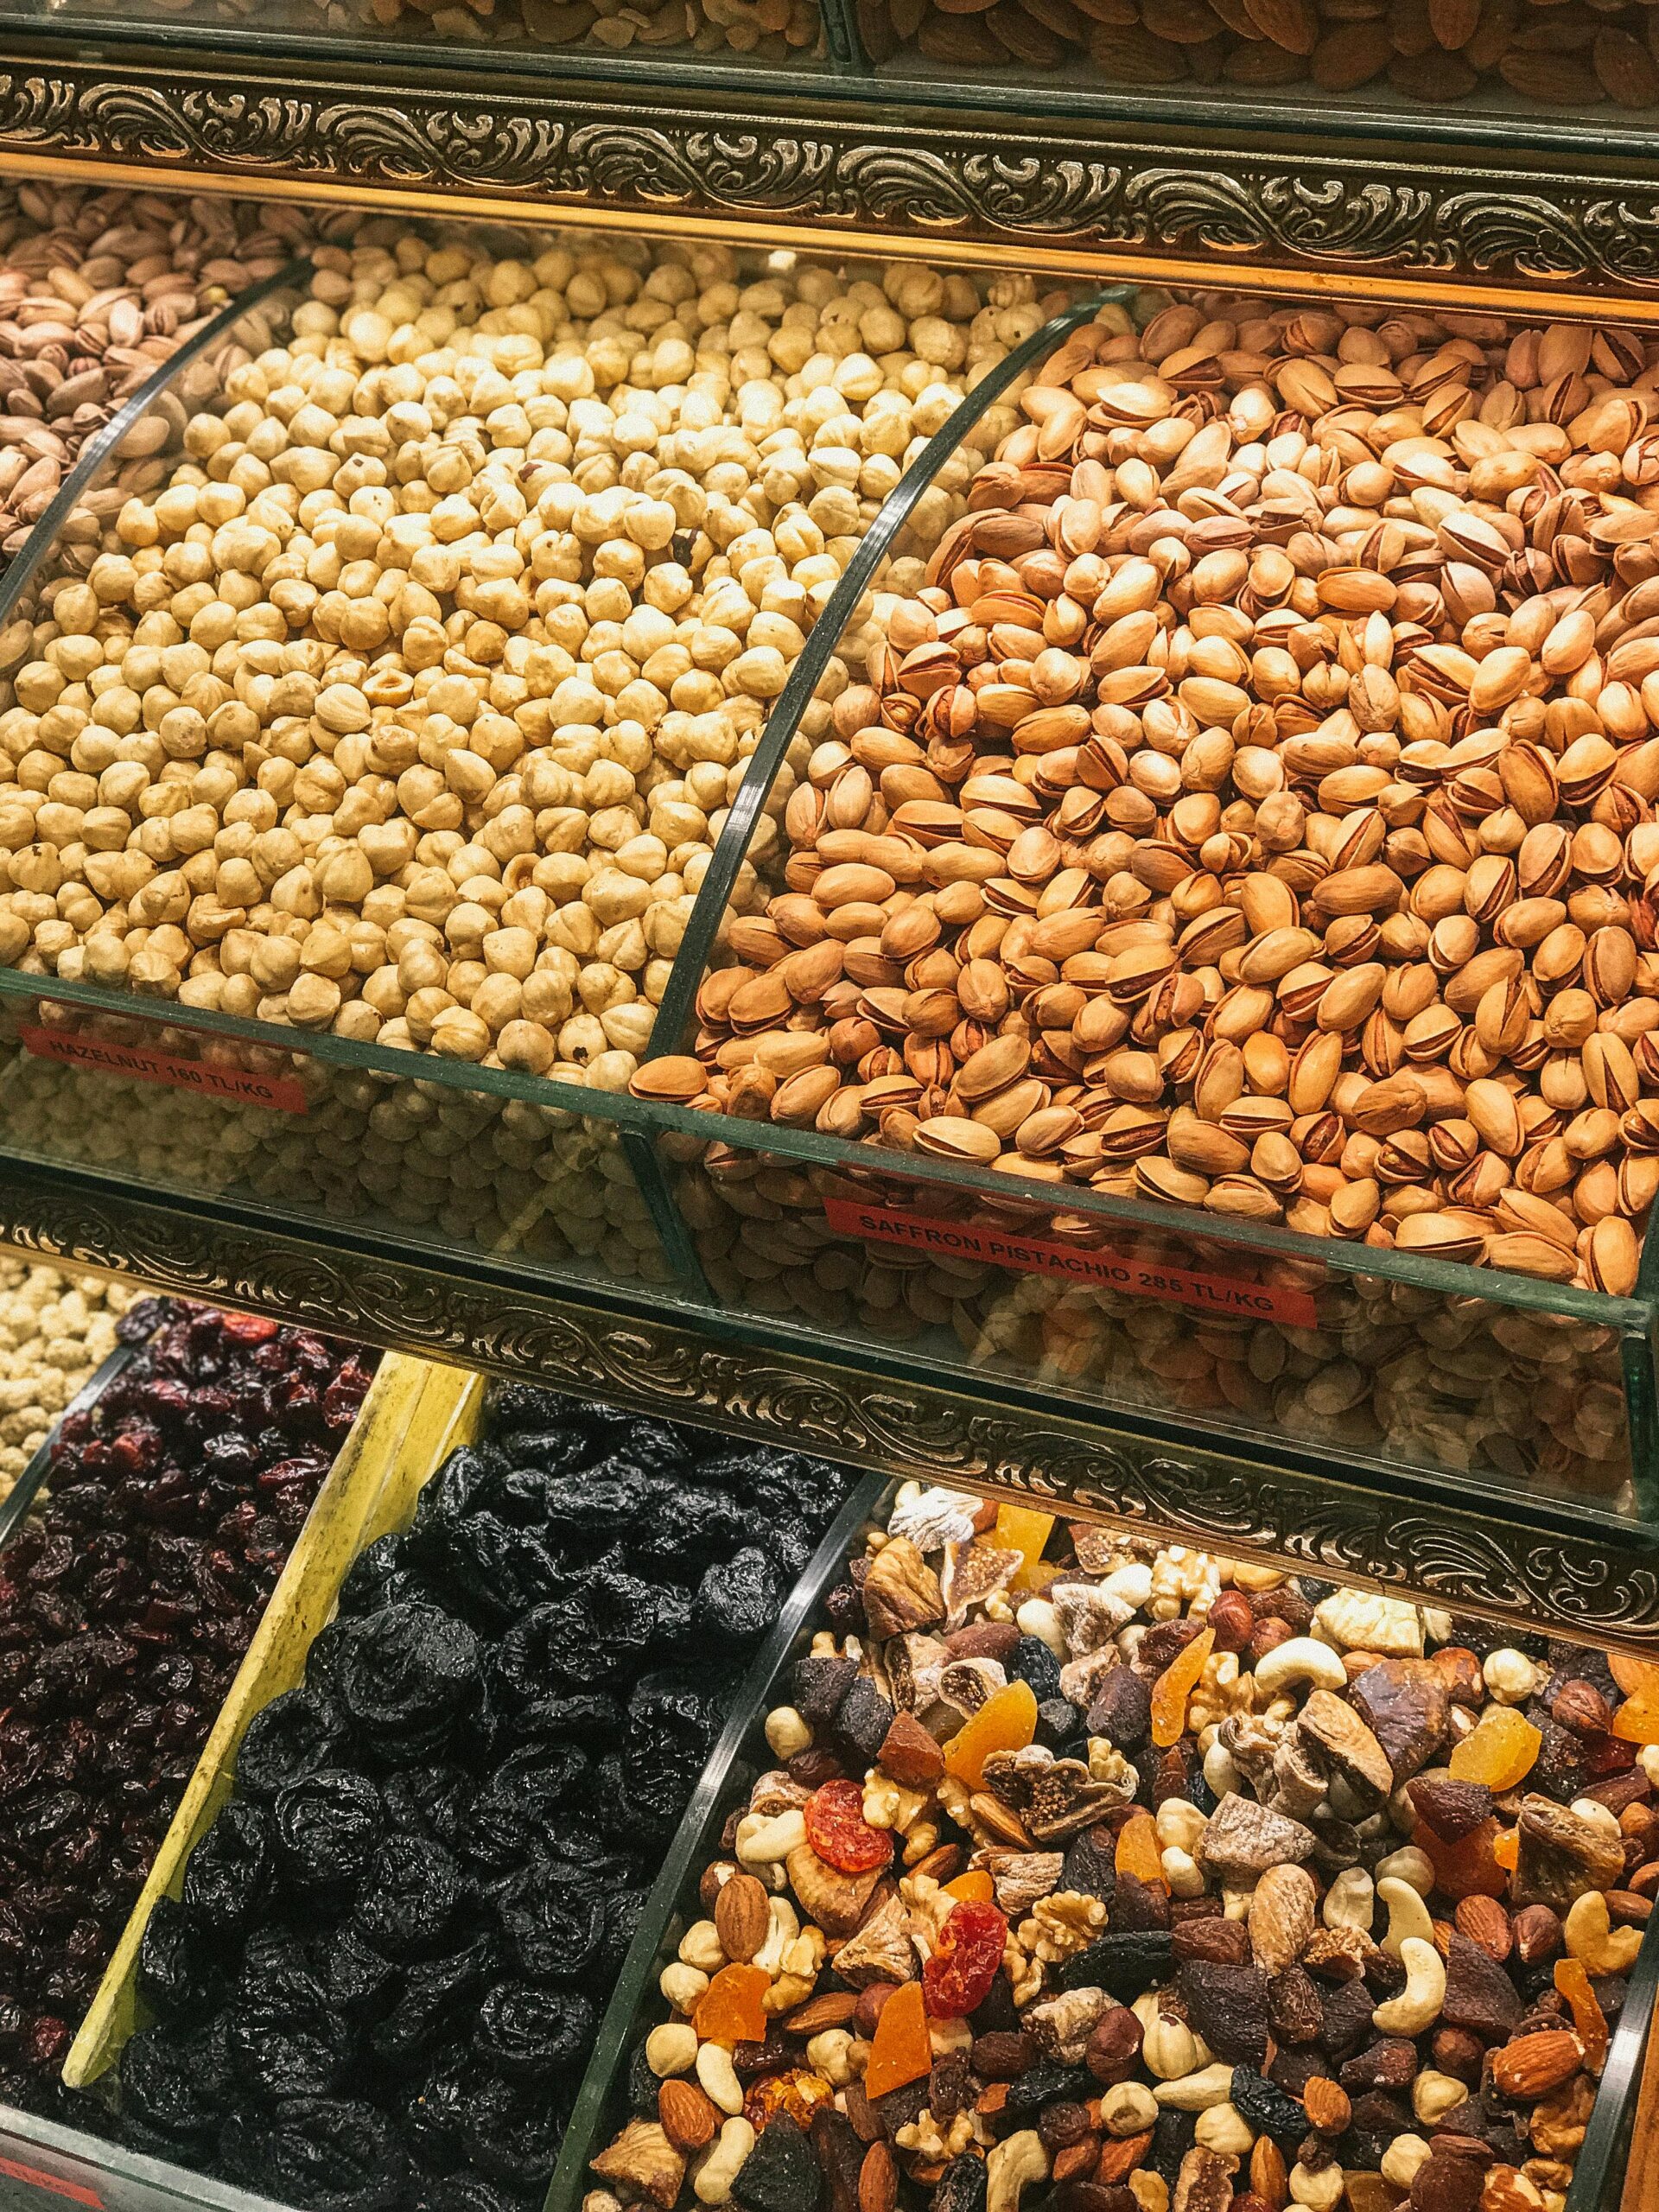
(340, 1144)
(1357, 1365)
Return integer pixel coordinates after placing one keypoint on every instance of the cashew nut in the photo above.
(1419, 2003)
(1300, 1659)
(719, 2076)
(1590, 1935)
(1433, 2094)
(1223, 2127)
(1407, 1865)
(1010, 2166)
(715, 2177)
(1196, 2092)
(1350, 1901)
(671, 2049)
(1128, 2108)
(1400, 2161)
(783, 1927)
(1408, 1914)
(764, 1841)
(1133, 1583)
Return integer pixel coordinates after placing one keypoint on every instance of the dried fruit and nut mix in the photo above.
(412, 707)
(501, 1172)
(126, 1609)
(1254, 812)
(54, 1331)
(1442, 51)
(1157, 1884)
(379, 1988)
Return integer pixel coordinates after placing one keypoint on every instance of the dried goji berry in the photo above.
(838, 1831)
(958, 1978)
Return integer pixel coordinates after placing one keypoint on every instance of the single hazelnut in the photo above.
(1113, 2048)
(1233, 1618)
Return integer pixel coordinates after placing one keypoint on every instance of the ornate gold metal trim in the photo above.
(1525, 1577)
(1410, 220)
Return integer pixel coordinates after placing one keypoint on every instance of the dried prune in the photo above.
(285, 2039)
(737, 1601)
(230, 1870)
(407, 1675)
(180, 1963)
(378, 1577)
(176, 2080)
(325, 1830)
(527, 2034)
(513, 2137)
(324, 2154)
(296, 1734)
(433, 1993)
(407, 1898)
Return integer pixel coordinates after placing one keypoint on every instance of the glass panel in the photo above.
(171, 1110)
(1143, 1316)
(729, 39)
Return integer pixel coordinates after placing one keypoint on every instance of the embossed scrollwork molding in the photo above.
(1460, 1560)
(1069, 188)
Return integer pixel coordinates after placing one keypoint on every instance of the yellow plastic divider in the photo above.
(415, 1414)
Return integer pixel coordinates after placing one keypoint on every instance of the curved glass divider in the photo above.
(1599, 2177)
(19, 1500)
(736, 841)
(118, 437)
(740, 1755)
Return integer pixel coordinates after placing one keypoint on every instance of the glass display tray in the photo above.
(637, 2005)
(1535, 1395)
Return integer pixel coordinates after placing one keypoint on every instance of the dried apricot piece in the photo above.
(1019, 1530)
(1467, 1868)
(902, 2049)
(1637, 1720)
(732, 2009)
(1572, 1980)
(1506, 1849)
(975, 1887)
(1174, 1686)
(838, 1831)
(1499, 1751)
(1006, 1722)
(1137, 1851)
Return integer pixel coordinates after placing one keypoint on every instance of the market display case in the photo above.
(889, 809)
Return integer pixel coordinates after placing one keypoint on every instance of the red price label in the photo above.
(996, 1247)
(76, 2191)
(138, 1063)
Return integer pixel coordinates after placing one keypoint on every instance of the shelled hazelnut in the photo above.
(411, 708)
(56, 1330)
